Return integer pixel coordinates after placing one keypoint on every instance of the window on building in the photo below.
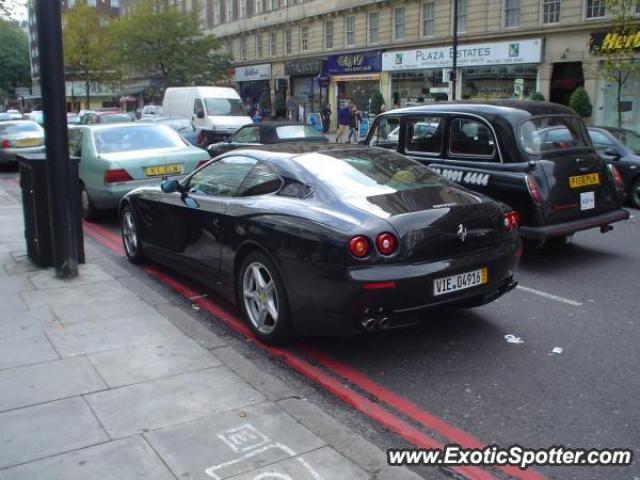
(551, 11)
(328, 34)
(287, 42)
(243, 48)
(229, 10)
(638, 8)
(218, 12)
(511, 13)
(274, 4)
(258, 45)
(244, 8)
(373, 29)
(350, 30)
(427, 18)
(304, 38)
(258, 7)
(462, 16)
(71, 3)
(115, 3)
(596, 9)
(398, 23)
(273, 44)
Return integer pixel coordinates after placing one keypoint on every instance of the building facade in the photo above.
(290, 53)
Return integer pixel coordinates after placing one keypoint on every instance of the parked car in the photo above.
(19, 137)
(73, 119)
(151, 111)
(267, 133)
(621, 147)
(535, 156)
(107, 116)
(181, 125)
(36, 116)
(14, 114)
(4, 116)
(216, 111)
(116, 158)
(283, 228)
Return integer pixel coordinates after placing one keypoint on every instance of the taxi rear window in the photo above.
(552, 133)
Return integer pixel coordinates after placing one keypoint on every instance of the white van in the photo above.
(218, 111)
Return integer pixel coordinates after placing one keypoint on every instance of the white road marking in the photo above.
(550, 296)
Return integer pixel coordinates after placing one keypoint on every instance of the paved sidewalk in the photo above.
(98, 382)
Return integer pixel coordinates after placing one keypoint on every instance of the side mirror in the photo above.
(612, 152)
(200, 114)
(170, 186)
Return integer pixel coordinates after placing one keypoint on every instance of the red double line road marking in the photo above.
(338, 389)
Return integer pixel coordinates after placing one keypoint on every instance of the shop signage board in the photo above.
(354, 63)
(477, 54)
(303, 67)
(253, 72)
(606, 42)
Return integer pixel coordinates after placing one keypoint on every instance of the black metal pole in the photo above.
(59, 171)
(454, 71)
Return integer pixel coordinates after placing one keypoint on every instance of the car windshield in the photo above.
(629, 138)
(552, 133)
(365, 173)
(179, 124)
(128, 138)
(224, 106)
(22, 127)
(288, 132)
(115, 118)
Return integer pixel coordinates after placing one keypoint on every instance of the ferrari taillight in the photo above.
(359, 246)
(386, 243)
(511, 220)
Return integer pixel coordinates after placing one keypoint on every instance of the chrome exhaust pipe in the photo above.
(369, 324)
(384, 323)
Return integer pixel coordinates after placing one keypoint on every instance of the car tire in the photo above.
(634, 193)
(131, 235)
(263, 299)
(89, 211)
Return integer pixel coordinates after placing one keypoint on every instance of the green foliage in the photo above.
(15, 68)
(538, 97)
(377, 100)
(580, 102)
(158, 40)
(84, 38)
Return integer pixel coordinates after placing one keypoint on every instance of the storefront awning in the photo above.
(356, 77)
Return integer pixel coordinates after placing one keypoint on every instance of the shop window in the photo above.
(373, 27)
(398, 23)
(471, 138)
(350, 30)
(328, 34)
(427, 18)
(287, 42)
(259, 45)
(551, 11)
(462, 16)
(511, 13)
(596, 9)
(304, 38)
(386, 132)
(424, 135)
(273, 44)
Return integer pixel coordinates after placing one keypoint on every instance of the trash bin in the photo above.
(35, 207)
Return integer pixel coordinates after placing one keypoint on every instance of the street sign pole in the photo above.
(454, 70)
(59, 171)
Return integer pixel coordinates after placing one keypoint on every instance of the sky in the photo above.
(19, 8)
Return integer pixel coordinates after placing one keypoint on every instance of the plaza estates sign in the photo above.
(497, 53)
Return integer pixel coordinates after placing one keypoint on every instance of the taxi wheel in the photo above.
(89, 212)
(634, 193)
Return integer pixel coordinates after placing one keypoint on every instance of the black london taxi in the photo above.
(536, 157)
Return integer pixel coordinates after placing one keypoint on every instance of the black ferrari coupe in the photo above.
(326, 239)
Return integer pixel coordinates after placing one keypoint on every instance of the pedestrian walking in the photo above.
(344, 124)
(325, 114)
(353, 124)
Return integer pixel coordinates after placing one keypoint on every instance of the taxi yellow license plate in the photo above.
(461, 281)
(162, 170)
(27, 142)
(584, 180)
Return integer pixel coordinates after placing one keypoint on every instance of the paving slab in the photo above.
(323, 464)
(160, 403)
(15, 284)
(27, 323)
(125, 459)
(11, 302)
(109, 310)
(25, 350)
(87, 274)
(82, 294)
(99, 335)
(37, 432)
(19, 263)
(232, 443)
(129, 365)
(151, 293)
(44, 382)
(191, 326)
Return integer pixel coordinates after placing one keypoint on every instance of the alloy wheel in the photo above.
(260, 297)
(129, 233)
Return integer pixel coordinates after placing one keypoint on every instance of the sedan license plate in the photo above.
(461, 281)
(580, 181)
(27, 142)
(162, 170)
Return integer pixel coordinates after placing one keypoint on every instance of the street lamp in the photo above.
(454, 71)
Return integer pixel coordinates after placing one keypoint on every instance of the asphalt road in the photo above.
(583, 299)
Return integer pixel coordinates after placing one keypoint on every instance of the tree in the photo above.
(620, 64)
(538, 97)
(580, 102)
(15, 67)
(157, 39)
(84, 39)
(377, 100)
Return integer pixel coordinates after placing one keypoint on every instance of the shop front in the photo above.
(253, 85)
(485, 71)
(353, 78)
(306, 89)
